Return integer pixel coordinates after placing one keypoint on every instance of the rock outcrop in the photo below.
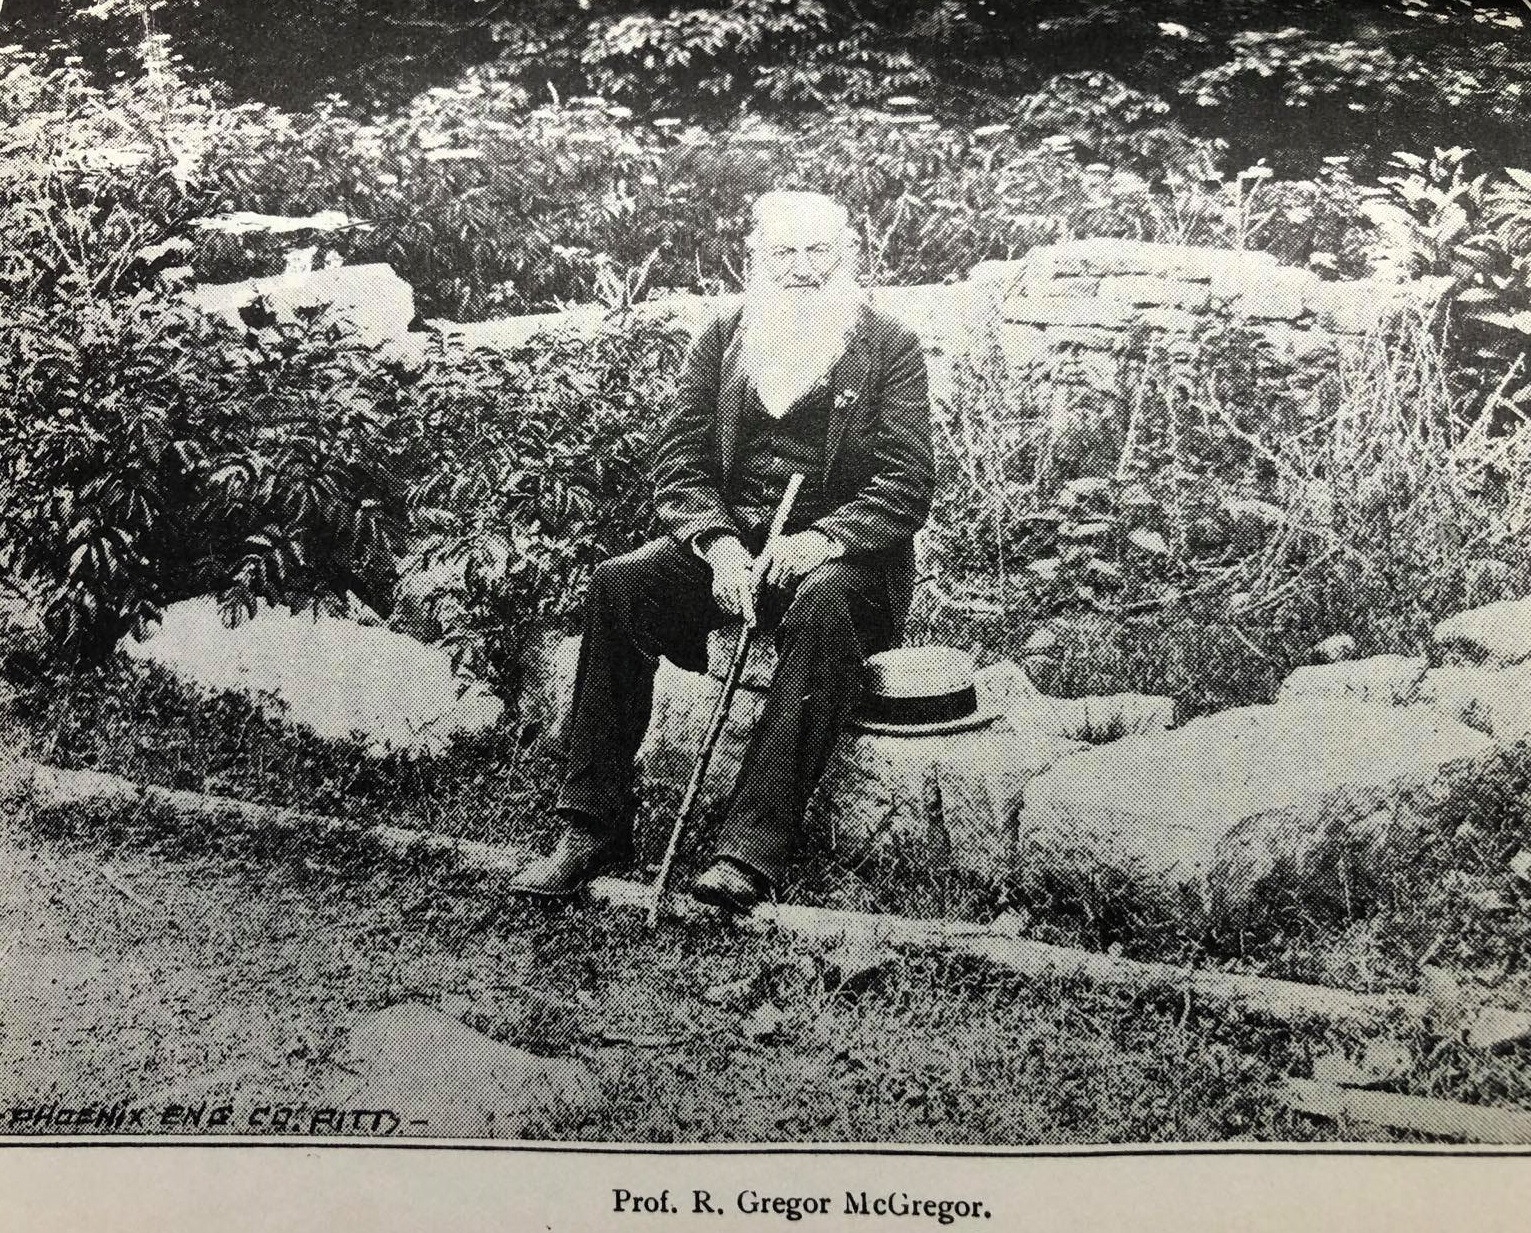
(1264, 797)
(933, 802)
(1383, 679)
(1493, 700)
(340, 679)
(375, 300)
(1495, 634)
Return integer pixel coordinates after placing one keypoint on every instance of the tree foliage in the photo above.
(1300, 78)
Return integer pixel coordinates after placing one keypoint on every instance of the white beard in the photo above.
(790, 338)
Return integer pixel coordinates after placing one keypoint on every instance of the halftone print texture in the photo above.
(1130, 744)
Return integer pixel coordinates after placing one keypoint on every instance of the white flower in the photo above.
(1174, 30)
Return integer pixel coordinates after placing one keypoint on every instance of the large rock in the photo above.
(1493, 700)
(933, 802)
(332, 675)
(1494, 634)
(444, 1080)
(1233, 802)
(948, 801)
(1007, 687)
(244, 244)
(375, 300)
(1383, 679)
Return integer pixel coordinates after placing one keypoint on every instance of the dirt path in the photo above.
(167, 967)
(129, 978)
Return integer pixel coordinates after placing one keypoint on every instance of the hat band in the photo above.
(931, 709)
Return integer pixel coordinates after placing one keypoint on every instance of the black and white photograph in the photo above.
(766, 572)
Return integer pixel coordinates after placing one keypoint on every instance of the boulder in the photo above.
(375, 300)
(445, 1080)
(1335, 650)
(1149, 292)
(1493, 700)
(1066, 311)
(1498, 633)
(944, 802)
(1006, 684)
(332, 675)
(1231, 803)
(1383, 679)
(1099, 717)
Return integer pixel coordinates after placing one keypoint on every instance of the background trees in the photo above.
(1290, 80)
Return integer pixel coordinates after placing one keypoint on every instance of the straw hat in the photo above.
(921, 691)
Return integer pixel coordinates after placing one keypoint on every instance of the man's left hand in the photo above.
(790, 557)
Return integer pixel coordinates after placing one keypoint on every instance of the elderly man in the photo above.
(804, 378)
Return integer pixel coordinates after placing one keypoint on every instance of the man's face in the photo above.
(799, 249)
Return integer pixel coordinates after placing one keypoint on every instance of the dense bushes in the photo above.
(148, 452)
(1244, 505)
(534, 471)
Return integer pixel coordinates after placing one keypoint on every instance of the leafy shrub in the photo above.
(1236, 503)
(147, 451)
(152, 454)
(537, 472)
(486, 205)
(1434, 216)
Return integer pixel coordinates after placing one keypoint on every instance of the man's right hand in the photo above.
(733, 583)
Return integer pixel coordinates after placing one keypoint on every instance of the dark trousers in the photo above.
(657, 600)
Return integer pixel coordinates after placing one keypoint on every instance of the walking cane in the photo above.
(719, 717)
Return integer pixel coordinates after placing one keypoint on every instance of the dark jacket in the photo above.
(879, 463)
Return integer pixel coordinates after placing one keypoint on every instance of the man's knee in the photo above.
(629, 574)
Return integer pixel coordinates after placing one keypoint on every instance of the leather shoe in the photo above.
(729, 884)
(578, 857)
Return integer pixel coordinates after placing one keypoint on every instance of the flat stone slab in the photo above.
(375, 300)
(1384, 679)
(1498, 633)
(1493, 700)
(338, 678)
(445, 1080)
(1233, 802)
(948, 801)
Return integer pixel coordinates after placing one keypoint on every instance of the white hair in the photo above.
(795, 205)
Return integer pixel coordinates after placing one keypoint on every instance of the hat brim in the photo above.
(981, 718)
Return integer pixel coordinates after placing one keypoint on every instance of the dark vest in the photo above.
(770, 452)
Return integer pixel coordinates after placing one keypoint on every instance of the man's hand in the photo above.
(790, 557)
(732, 584)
